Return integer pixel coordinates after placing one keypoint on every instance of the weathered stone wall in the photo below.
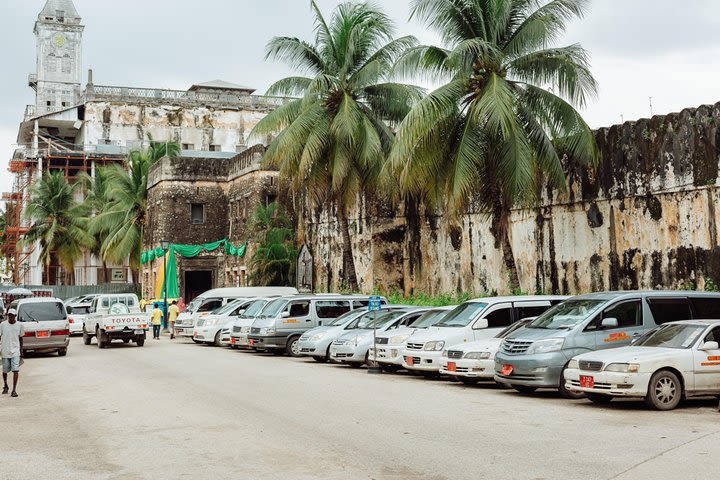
(644, 218)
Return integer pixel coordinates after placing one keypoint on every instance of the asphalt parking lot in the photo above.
(179, 410)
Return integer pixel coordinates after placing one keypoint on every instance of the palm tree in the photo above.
(57, 221)
(124, 214)
(332, 141)
(273, 261)
(486, 135)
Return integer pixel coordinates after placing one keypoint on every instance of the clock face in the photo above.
(59, 40)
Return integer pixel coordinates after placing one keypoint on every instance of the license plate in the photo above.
(506, 369)
(232, 340)
(587, 382)
(251, 341)
(178, 330)
(139, 331)
(42, 334)
(409, 361)
(452, 367)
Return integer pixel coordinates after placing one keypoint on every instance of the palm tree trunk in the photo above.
(501, 231)
(348, 259)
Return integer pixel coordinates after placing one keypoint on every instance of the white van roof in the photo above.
(249, 292)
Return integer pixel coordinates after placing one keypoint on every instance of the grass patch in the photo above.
(424, 300)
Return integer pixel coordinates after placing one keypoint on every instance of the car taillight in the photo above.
(60, 332)
(71, 320)
(29, 334)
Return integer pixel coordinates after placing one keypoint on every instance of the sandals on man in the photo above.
(14, 394)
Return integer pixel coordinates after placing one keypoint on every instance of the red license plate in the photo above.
(452, 367)
(506, 369)
(409, 361)
(251, 341)
(587, 382)
(42, 334)
(232, 340)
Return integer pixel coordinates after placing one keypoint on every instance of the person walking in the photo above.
(157, 318)
(11, 339)
(173, 312)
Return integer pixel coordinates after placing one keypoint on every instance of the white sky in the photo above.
(663, 49)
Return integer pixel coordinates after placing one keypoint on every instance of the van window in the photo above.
(410, 319)
(360, 303)
(628, 315)
(41, 312)
(81, 310)
(500, 318)
(528, 312)
(706, 308)
(669, 309)
(210, 305)
(331, 309)
(300, 308)
(105, 302)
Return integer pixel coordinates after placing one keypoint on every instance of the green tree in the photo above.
(273, 262)
(486, 135)
(333, 141)
(122, 218)
(57, 221)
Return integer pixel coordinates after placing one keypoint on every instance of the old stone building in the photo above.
(74, 128)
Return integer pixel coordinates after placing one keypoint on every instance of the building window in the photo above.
(215, 148)
(197, 213)
(66, 64)
(188, 146)
(49, 103)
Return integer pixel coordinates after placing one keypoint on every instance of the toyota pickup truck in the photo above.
(115, 317)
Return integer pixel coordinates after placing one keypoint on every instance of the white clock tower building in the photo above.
(59, 57)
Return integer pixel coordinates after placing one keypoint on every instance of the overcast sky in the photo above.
(665, 49)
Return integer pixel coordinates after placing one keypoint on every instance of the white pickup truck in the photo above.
(115, 317)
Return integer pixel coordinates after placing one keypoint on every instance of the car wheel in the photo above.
(524, 388)
(126, 340)
(599, 398)
(320, 359)
(564, 392)
(468, 380)
(87, 339)
(100, 338)
(140, 341)
(293, 346)
(62, 352)
(275, 351)
(664, 391)
(390, 368)
(218, 340)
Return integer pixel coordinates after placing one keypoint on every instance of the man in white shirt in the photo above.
(11, 337)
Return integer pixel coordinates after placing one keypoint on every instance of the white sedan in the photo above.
(675, 361)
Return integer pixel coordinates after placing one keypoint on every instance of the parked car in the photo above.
(241, 326)
(45, 322)
(316, 342)
(474, 320)
(76, 315)
(390, 344)
(207, 302)
(285, 319)
(538, 355)
(474, 361)
(209, 328)
(353, 347)
(678, 360)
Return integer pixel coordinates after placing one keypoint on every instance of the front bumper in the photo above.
(421, 360)
(205, 334)
(542, 370)
(468, 368)
(348, 353)
(317, 348)
(184, 330)
(239, 339)
(267, 342)
(609, 383)
(389, 354)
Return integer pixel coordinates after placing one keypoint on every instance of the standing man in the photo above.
(173, 313)
(11, 333)
(157, 317)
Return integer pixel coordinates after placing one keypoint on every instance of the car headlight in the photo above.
(623, 367)
(573, 364)
(317, 336)
(444, 353)
(546, 346)
(436, 346)
(477, 355)
(267, 331)
(398, 339)
(211, 323)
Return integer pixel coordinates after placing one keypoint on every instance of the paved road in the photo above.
(179, 410)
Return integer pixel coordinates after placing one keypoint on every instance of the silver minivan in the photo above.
(45, 322)
(537, 355)
(283, 320)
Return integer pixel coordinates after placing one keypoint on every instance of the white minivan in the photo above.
(213, 299)
(474, 320)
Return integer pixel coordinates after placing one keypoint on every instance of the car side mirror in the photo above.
(285, 314)
(481, 324)
(710, 346)
(610, 323)
(68, 309)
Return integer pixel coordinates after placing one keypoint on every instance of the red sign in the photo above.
(506, 369)
(587, 382)
(452, 367)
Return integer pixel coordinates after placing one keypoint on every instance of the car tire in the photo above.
(62, 352)
(320, 359)
(524, 388)
(390, 368)
(140, 341)
(354, 364)
(87, 339)
(292, 347)
(217, 341)
(564, 392)
(468, 380)
(599, 398)
(100, 338)
(664, 391)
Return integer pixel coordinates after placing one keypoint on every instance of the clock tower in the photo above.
(59, 63)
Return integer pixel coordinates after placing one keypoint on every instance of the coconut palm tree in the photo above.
(124, 214)
(487, 134)
(57, 221)
(332, 141)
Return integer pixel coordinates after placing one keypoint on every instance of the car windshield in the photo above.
(254, 309)
(193, 306)
(274, 308)
(41, 312)
(428, 319)
(345, 317)
(369, 320)
(567, 314)
(229, 307)
(515, 326)
(672, 336)
(462, 315)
